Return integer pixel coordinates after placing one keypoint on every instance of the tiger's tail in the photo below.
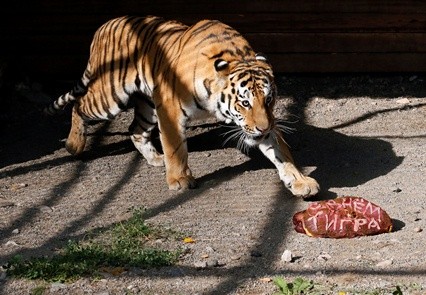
(62, 101)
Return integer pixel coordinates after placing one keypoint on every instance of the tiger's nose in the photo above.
(262, 129)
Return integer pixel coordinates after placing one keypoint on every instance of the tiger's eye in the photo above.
(268, 100)
(246, 103)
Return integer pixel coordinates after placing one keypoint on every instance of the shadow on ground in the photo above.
(340, 161)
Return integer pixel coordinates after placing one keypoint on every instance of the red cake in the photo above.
(343, 217)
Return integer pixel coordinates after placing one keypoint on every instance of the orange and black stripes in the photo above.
(171, 72)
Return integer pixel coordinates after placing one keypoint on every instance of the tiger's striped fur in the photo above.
(173, 73)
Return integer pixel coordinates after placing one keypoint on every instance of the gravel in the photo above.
(358, 135)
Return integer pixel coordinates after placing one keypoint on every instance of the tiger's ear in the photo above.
(220, 65)
(261, 57)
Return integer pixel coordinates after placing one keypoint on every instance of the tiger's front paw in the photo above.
(304, 187)
(183, 182)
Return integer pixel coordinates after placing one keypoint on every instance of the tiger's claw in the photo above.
(184, 182)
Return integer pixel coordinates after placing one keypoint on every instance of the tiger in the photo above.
(174, 73)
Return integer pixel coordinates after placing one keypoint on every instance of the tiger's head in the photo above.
(247, 98)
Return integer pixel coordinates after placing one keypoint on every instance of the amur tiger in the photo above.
(174, 73)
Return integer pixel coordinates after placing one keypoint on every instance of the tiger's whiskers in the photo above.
(282, 125)
(236, 133)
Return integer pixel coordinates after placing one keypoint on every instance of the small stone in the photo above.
(385, 263)
(2, 275)
(265, 280)
(212, 262)
(287, 256)
(200, 264)
(15, 231)
(324, 257)
(418, 229)
(133, 288)
(255, 253)
(159, 241)
(235, 257)
(11, 243)
(403, 101)
(204, 255)
(397, 190)
(209, 249)
(412, 78)
(46, 209)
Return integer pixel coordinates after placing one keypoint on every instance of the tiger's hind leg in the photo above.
(145, 120)
(77, 136)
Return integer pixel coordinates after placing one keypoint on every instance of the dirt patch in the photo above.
(361, 135)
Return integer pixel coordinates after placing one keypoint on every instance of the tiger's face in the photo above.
(248, 99)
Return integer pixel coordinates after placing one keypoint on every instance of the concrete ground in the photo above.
(358, 135)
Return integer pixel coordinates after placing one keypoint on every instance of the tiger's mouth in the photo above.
(258, 137)
(245, 138)
(254, 139)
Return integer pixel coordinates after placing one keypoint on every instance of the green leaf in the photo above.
(122, 245)
(397, 291)
(282, 286)
(300, 285)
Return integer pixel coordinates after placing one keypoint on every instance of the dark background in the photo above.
(44, 48)
(51, 39)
